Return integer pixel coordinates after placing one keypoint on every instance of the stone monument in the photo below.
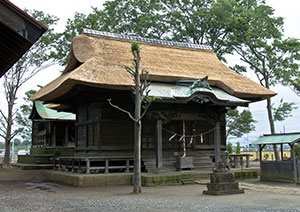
(222, 181)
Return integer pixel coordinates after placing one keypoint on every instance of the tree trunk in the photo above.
(137, 184)
(272, 126)
(6, 160)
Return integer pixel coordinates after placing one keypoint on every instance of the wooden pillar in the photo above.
(294, 163)
(88, 165)
(66, 135)
(159, 156)
(235, 161)
(127, 166)
(260, 153)
(281, 148)
(106, 166)
(247, 160)
(217, 141)
(54, 136)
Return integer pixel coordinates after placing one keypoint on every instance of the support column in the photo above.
(53, 135)
(217, 141)
(66, 135)
(281, 148)
(159, 156)
(294, 163)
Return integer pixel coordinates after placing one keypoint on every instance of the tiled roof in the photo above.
(145, 40)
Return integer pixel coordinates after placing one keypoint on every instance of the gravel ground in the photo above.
(41, 196)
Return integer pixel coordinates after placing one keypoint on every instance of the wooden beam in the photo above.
(217, 142)
(159, 157)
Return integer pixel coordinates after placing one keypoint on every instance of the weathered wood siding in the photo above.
(88, 127)
(104, 130)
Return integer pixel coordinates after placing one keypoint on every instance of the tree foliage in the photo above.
(284, 110)
(40, 56)
(238, 124)
(22, 119)
(297, 150)
(257, 38)
(238, 148)
(198, 21)
(229, 148)
(248, 28)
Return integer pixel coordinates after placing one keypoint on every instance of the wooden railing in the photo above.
(85, 164)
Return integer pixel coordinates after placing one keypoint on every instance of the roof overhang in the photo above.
(18, 32)
(284, 138)
(183, 93)
(41, 111)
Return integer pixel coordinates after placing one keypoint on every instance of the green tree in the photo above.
(238, 124)
(198, 21)
(38, 57)
(257, 38)
(22, 118)
(297, 150)
(229, 147)
(283, 111)
(238, 148)
(246, 27)
(17, 142)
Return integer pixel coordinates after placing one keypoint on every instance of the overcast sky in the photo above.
(289, 9)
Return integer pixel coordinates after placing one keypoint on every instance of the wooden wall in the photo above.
(104, 130)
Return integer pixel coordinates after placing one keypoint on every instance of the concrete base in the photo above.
(82, 180)
(148, 179)
(228, 192)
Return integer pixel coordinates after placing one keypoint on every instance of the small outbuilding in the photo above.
(53, 133)
(285, 169)
(51, 128)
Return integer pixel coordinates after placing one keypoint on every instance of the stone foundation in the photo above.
(222, 183)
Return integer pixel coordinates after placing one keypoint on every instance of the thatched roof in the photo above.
(97, 59)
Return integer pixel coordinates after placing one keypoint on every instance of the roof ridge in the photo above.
(145, 40)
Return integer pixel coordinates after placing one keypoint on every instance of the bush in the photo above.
(266, 156)
(297, 150)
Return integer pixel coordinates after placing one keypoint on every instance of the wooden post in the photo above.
(159, 144)
(294, 163)
(298, 170)
(66, 135)
(106, 166)
(260, 151)
(281, 148)
(54, 163)
(217, 141)
(73, 165)
(235, 161)
(88, 166)
(53, 136)
(127, 166)
(247, 160)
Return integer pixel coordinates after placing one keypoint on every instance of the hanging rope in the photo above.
(183, 131)
(174, 134)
